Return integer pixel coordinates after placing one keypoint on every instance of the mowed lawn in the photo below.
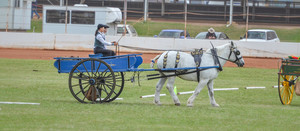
(38, 81)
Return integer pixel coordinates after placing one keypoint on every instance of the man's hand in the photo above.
(115, 43)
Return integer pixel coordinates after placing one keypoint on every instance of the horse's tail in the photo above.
(153, 61)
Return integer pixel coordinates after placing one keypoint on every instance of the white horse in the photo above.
(227, 52)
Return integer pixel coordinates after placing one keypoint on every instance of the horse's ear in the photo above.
(232, 43)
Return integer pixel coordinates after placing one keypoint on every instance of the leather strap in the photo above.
(165, 60)
(197, 54)
(177, 59)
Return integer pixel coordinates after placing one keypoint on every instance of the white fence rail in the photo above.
(86, 42)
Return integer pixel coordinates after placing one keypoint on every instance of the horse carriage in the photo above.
(100, 79)
(288, 74)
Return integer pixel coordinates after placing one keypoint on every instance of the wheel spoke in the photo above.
(105, 71)
(98, 67)
(79, 70)
(108, 86)
(80, 78)
(112, 83)
(281, 89)
(105, 90)
(92, 67)
(82, 90)
(82, 74)
(80, 84)
(86, 69)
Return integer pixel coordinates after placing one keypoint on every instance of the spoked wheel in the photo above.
(119, 86)
(92, 81)
(286, 88)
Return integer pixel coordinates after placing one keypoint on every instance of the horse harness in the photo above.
(176, 61)
(197, 54)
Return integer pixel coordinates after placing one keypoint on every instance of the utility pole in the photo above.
(185, 18)
(163, 7)
(230, 13)
(66, 19)
(8, 10)
(125, 16)
(145, 10)
(82, 1)
(247, 19)
(61, 2)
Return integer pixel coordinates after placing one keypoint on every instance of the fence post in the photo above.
(163, 7)
(225, 3)
(253, 10)
(287, 12)
(145, 10)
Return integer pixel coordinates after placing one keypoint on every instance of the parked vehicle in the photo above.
(130, 31)
(261, 35)
(81, 19)
(173, 33)
(220, 36)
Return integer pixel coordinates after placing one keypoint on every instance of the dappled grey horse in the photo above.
(226, 52)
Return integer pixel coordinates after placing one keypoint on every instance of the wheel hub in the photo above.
(92, 81)
(286, 83)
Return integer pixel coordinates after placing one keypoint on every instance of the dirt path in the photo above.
(268, 63)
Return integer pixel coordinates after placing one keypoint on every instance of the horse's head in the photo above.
(235, 56)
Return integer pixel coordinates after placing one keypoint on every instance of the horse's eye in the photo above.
(237, 53)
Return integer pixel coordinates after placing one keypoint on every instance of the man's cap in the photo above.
(101, 25)
(211, 30)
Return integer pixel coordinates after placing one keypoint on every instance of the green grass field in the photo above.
(36, 26)
(38, 81)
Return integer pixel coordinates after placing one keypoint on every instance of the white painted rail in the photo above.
(85, 42)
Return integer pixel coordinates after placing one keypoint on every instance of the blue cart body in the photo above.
(121, 63)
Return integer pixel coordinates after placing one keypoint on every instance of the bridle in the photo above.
(233, 50)
(236, 52)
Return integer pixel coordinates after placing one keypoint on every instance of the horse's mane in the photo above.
(218, 47)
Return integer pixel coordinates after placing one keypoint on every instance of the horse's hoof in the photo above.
(157, 103)
(216, 105)
(177, 104)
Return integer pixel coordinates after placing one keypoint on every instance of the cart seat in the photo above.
(96, 55)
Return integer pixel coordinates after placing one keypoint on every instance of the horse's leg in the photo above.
(159, 86)
(200, 86)
(170, 87)
(210, 86)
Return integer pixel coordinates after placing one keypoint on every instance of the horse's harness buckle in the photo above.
(197, 54)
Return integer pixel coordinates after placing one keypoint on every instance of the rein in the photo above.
(227, 59)
(145, 49)
(118, 46)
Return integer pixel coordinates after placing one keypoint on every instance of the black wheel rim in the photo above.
(119, 86)
(92, 81)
